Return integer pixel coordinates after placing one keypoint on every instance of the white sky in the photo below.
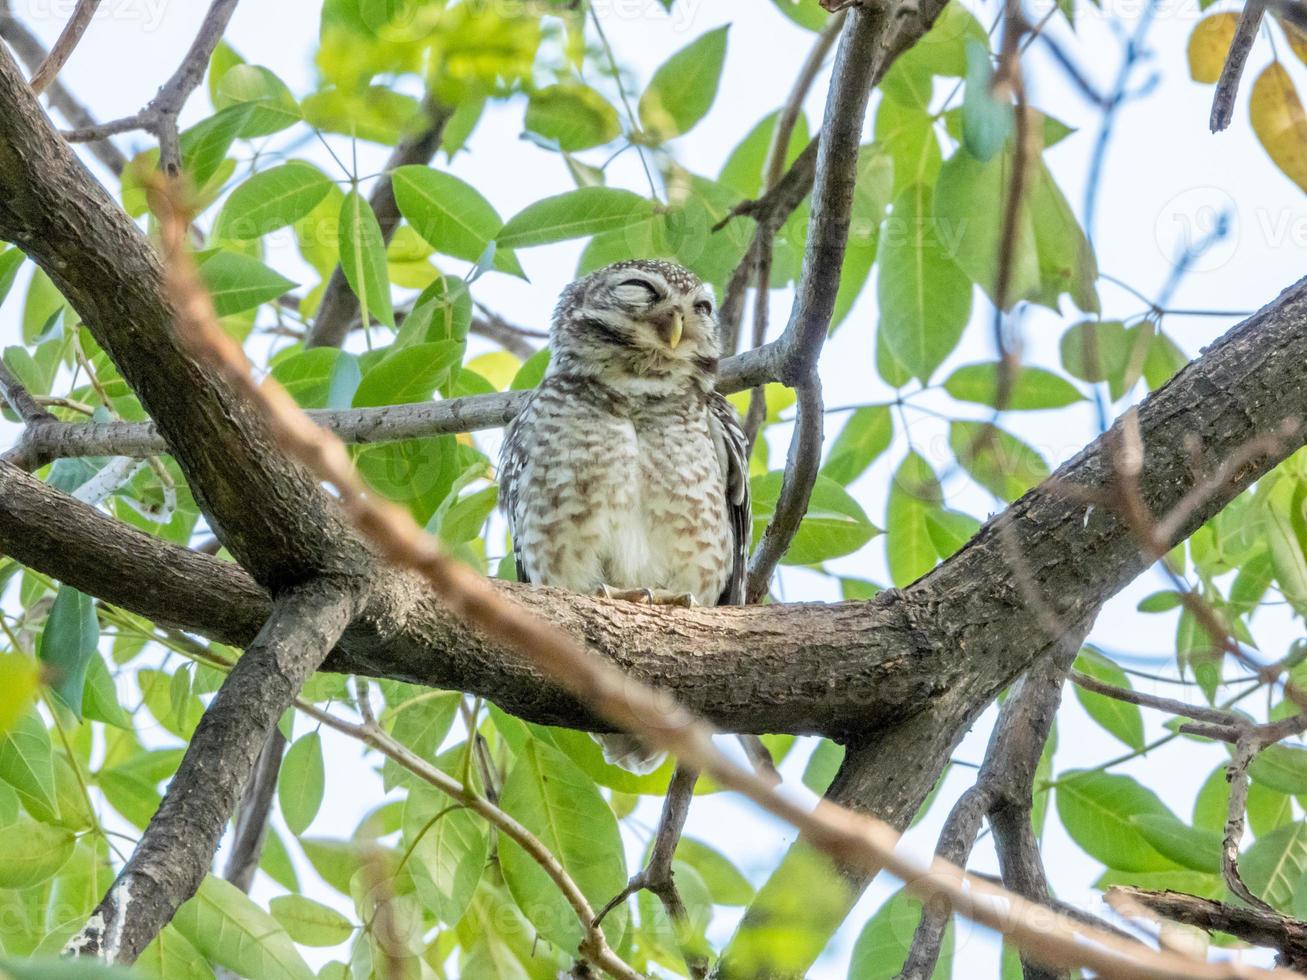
(1165, 174)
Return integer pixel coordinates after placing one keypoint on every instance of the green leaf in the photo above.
(997, 460)
(913, 494)
(835, 524)
(237, 282)
(1274, 866)
(1282, 768)
(969, 213)
(907, 135)
(300, 785)
(450, 214)
(170, 957)
(883, 944)
(318, 378)
(1123, 720)
(684, 86)
(949, 530)
(868, 433)
(575, 214)
(272, 199)
(808, 14)
(725, 884)
(822, 766)
(269, 103)
(11, 259)
(204, 146)
(59, 969)
(986, 122)
(308, 922)
(32, 852)
(27, 764)
(408, 375)
(561, 806)
(1032, 388)
(68, 642)
(1194, 848)
(420, 723)
(743, 170)
(99, 696)
(1066, 260)
(572, 116)
(227, 927)
(1097, 810)
(448, 857)
(363, 258)
(925, 299)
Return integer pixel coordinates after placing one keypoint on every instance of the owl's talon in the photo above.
(648, 597)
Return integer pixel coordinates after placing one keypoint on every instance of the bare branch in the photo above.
(64, 46)
(252, 816)
(29, 48)
(338, 312)
(159, 117)
(171, 859)
(20, 399)
(1255, 926)
(1227, 86)
(46, 441)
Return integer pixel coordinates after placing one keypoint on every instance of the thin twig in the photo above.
(64, 46)
(252, 817)
(159, 117)
(1227, 86)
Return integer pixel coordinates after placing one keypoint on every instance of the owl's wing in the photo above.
(733, 451)
(512, 458)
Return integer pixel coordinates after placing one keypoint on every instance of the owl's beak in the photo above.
(677, 328)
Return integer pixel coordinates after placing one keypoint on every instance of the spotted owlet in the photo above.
(626, 470)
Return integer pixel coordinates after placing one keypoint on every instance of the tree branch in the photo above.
(338, 312)
(268, 512)
(387, 423)
(29, 47)
(1227, 86)
(64, 46)
(174, 853)
(159, 117)
(1255, 926)
(252, 816)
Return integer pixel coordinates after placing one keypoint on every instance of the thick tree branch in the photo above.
(941, 646)
(270, 514)
(174, 853)
(338, 312)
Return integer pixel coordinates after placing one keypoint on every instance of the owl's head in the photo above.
(638, 319)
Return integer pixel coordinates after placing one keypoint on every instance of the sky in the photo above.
(1164, 179)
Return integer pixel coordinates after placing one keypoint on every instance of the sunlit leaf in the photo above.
(272, 199)
(308, 922)
(1280, 122)
(363, 258)
(1097, 810)
(1209, 46)
(833, 525)
(574, 214)
(225, 925)
(300, 785)
(684, 86)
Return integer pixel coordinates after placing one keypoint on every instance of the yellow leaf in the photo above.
(1296, 37)
(1280, 122)
(498, 367)
(19, 676)
(1208, 45)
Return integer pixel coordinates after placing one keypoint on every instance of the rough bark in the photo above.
(175, 851)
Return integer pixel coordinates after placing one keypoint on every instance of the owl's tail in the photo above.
(630, 753)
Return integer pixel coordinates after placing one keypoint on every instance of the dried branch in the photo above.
(1260, 928)
(64, 45)
(33, 53)
(1227, 86)
(338, 312)
(159, 117)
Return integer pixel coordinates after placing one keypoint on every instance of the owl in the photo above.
(626, 473)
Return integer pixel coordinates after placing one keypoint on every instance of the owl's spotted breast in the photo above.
(624, 490)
